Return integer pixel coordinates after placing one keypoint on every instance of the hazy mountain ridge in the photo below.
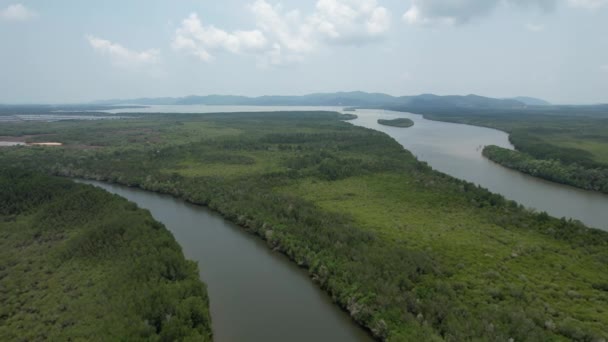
(468, 101)
(356, 98)
(532, 101)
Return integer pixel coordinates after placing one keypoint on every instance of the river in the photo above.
(255, 294)
(456, 149)
(259, 295)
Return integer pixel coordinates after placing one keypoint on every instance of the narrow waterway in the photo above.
(255, 294)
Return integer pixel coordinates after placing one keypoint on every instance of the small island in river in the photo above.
(402, 122)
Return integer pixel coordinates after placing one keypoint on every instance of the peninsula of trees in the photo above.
(595, 179)
(77, 263)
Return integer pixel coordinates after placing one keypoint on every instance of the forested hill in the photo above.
(77, 263)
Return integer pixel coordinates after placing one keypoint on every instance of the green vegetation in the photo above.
(552, 170)
(410, 253)
(402, 122)
(584, 144)
(77, 263)
(63, 109)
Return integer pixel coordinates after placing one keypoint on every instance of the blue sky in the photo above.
(72, 51)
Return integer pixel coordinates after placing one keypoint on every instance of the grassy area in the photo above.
(410, 253)
(78, 263)
(126, 133)
(402, 122)
(505, 263)
(593, 140)
(210, 163)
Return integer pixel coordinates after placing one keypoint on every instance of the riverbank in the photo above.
(576, 141)
(551, 170)
(409, 252)
(256, 293)
(456, 149)
(80, 263)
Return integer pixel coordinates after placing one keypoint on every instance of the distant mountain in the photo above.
(531, 101)
(350, 99)
(141, 101)
(321, 99)
(469, 101)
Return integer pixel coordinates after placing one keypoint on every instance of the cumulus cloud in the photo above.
(283, 37)
(122, 56)
(288, 30)
(16, 12)
(349, 21)
(201, 41)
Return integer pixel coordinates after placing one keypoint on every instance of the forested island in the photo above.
(595, 179)
(410, 253)
(401, 122)
(77, 263)
(347, 117)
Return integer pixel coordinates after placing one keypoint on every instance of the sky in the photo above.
(68, 51)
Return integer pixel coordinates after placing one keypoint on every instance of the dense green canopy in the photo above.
(411, 253)
(77, 263)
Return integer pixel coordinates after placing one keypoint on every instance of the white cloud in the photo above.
(350, 21)
(288, 29)
(379, 22)
(535, 27)
(284, 37)
(201, 40)
(604, 67)
(424, 12)
(123, 57)
(588, 4)
(16, 12)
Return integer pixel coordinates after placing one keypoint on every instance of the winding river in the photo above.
(255, 294)
(259, 295)
(455, 149)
